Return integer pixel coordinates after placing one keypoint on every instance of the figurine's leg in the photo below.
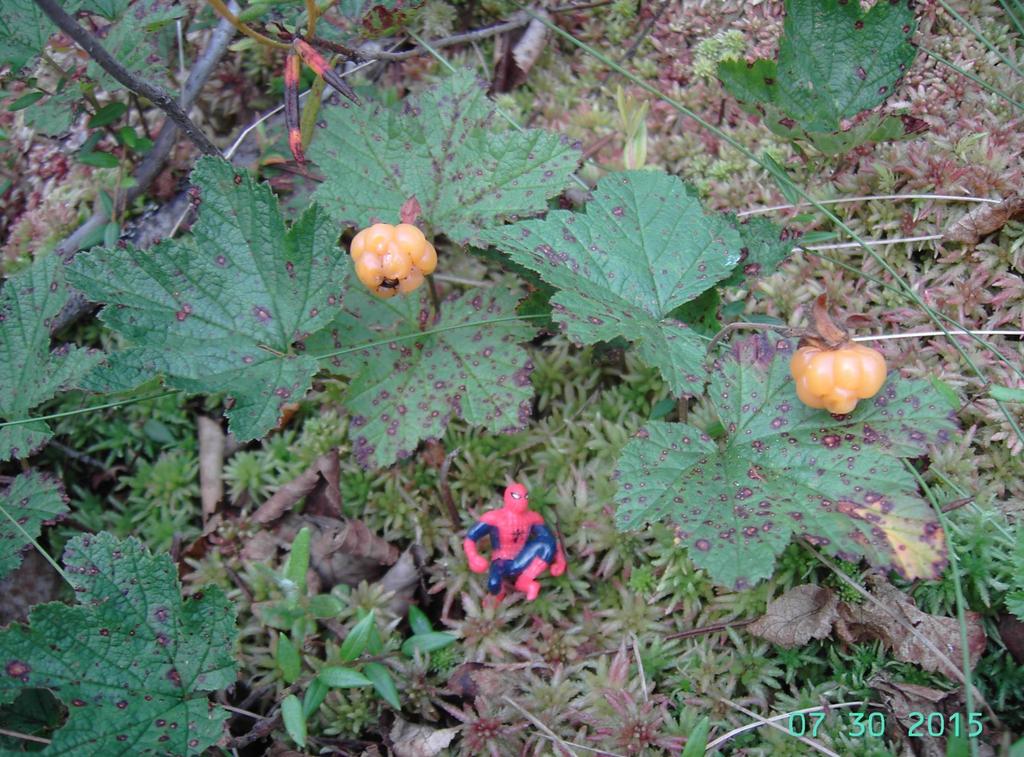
(530, 563)
(495, 580)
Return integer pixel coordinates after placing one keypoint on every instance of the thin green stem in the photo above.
(1013, 17)
(984, 40)
(905, 289)
(46, 555)
(960, 492)
(348, 350)
(987, 87)
(429, 332)
(92, 408)
(961, 616)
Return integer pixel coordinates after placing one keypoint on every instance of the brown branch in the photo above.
(159, 97)
(151, 165)
(369, 53)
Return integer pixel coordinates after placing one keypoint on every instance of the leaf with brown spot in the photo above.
(643, 247)
(132, 661)
(408, 390)
(222, 310)
(784, 469)
(30, 372)
(803, 613)
(447, 147)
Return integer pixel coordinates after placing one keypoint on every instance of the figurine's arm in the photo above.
(541, 532)
(477, 562)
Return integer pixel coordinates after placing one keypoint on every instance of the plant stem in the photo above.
(864, 198)
(159, 97)
(961, 616)
(224, 12)
(42, 552)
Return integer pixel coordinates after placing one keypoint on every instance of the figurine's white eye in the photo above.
(515, 495)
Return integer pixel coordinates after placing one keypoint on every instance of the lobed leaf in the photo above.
(30, 373)
(33, 500)
(228, 308)
(131, 661)
(834, 62)
(444, 148)
(643, 247)
(785, 469)
(404, 391)
(24, 31)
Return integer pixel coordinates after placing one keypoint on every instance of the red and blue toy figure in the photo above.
(522, 546)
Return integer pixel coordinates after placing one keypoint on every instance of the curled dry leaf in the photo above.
(803, 613)
(402, 578)
(319, 483)
(984, 220)
(410, 740)
(346, 551)
(211, 463)
(869, 621)
(515, 57)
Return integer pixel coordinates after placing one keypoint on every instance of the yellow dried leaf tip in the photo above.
(392, 259)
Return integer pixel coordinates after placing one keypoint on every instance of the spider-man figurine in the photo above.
(522, 547)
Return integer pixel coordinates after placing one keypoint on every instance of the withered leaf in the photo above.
(803, 613)
(868, 622)
(319, 482)
(984, 220)
(211, 462)
(515, 57)
(410, 740)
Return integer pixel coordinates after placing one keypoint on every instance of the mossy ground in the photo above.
(606, 657)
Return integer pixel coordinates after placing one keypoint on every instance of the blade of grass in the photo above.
(981, 37)
(987, 87)
(959, 593)
(1013, 17)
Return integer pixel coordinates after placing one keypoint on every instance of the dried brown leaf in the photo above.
(318, 483)
(410, 740)
(211, 464)
(346, 551)
(984, 220)
(516, 52)
(868, 622)
(402, 578)
(803, 613)
(1011, 631)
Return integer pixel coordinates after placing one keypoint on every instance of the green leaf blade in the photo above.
(30, 373)
(220, 311)
(643, 247)
(33, 500)
(834, 62)
(407, 390)
(787, 469)
(132, 662)
(444, 148)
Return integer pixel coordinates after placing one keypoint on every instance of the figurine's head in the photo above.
(516, 498)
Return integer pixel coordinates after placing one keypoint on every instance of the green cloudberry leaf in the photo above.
(220, 310)
(33, 500)
(132, 662)
(403, 392)
(24, 31)
(785, 469)
(643, 247)
(763, 247)
(135, 40)
(446, 147)
(834, 62)
(30, 373)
